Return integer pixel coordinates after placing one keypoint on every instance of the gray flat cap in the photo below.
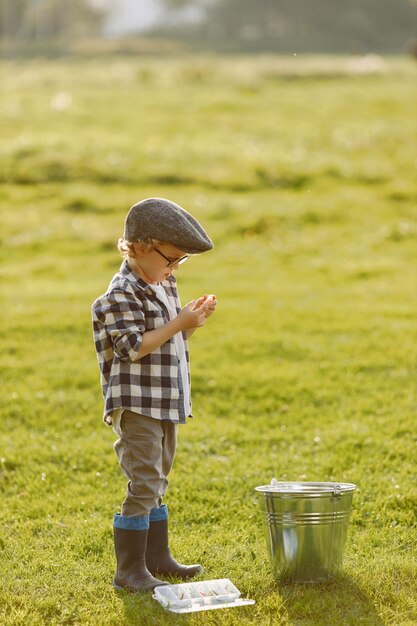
(164, 220)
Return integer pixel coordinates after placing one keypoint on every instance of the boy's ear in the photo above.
(140, 248)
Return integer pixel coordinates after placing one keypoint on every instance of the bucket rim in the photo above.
(299, 488)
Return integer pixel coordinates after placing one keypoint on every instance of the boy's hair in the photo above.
(126, 248)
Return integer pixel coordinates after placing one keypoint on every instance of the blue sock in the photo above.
(159, 513)
(131, 522)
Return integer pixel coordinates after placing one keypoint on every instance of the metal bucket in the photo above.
(305, 528)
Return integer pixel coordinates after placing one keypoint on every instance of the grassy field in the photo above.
(303, 172)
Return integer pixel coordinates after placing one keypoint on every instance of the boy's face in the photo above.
(156, 264)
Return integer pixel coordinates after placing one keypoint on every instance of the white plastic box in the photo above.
(200, 596)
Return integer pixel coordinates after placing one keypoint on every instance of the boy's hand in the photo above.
(191, 316)
(208, 303)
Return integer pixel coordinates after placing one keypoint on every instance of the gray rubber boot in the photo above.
(132, 573)
(158, 556)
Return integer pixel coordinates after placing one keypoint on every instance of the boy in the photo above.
(140, 333)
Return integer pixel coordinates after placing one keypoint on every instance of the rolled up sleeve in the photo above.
(124, 321)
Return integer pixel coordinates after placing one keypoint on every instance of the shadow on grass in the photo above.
(142, 610)
(339, 602)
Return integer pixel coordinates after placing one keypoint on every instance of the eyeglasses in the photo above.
(172, 262)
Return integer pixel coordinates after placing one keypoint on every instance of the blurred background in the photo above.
(55, 27)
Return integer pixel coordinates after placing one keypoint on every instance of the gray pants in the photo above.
(146, 451)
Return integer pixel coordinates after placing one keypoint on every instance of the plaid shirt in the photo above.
(152, 385)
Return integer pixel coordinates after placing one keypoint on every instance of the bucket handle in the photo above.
(337, 492)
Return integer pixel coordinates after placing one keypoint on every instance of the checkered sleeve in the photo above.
(124, 322)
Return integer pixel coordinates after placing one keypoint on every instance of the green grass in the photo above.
(303, 172)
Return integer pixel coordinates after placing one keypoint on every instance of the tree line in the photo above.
(281, 26)
(299, 25)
